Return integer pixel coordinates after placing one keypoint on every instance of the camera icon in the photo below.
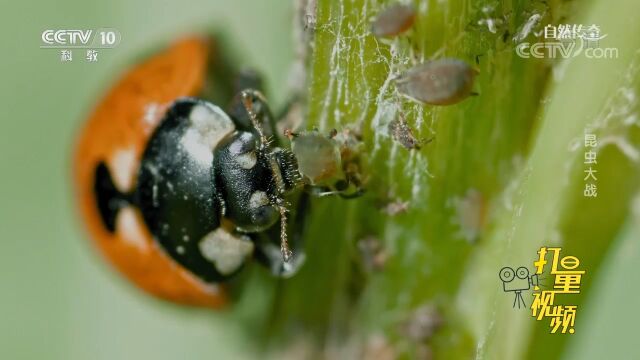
(517, 281)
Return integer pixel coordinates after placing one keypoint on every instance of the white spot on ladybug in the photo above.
(153, 170)
(154, 196)
(224, 250)
(123, 168)
(152, 115)
(258, 199)
(180, 250)
(209, 125)
(240, 146)
(130, 229)
(247, 160)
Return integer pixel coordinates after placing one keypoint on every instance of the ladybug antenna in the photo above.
(247, 102)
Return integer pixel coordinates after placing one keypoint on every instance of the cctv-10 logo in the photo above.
(567, 279)
(100, 38)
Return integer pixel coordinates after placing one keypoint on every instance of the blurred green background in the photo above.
(58, 299)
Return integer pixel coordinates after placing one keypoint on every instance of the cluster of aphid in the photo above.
(444, 81)
(205, 186)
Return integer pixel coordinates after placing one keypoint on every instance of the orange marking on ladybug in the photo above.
(125, 119)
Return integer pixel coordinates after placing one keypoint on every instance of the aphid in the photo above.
(396, 207)
(401, 132)
(471, 214)
(438, 82)
(422, 323)
(179, 194)
(319, 156)
(373, 254)
(328, 163)
(393, 21)
(378, 347)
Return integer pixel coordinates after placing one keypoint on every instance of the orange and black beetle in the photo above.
(175, 191)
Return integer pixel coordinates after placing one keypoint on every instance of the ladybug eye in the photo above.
(262, 213)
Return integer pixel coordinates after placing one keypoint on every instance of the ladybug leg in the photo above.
(250, 79)
(268, 251)
(252, 100)
(247, 79)
(288, 117)
(249, 83)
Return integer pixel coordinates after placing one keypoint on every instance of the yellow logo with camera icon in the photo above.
(567, 278)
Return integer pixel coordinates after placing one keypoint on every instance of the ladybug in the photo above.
(176, 192)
